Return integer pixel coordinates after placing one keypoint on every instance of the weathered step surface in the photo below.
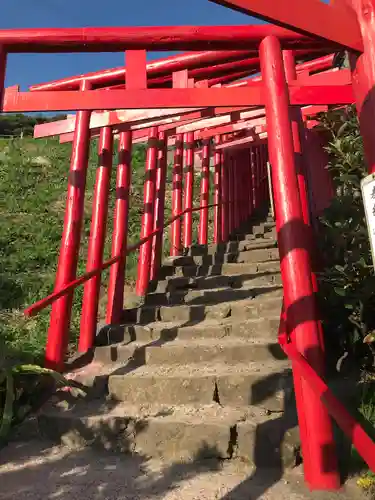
(186, 432)
(256, 255)
(231, 247)
(259, 279)
(179, 352)
(267, 303)
(220, 269)
(263, 229)
(262, 328)
(208, 296)
(267, 385)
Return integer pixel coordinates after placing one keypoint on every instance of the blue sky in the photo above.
(27, 69)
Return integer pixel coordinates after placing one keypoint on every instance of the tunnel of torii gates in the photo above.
(245, 96)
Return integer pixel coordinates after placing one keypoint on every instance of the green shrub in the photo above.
(348, 281)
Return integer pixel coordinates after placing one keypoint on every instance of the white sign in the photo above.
(368, 195)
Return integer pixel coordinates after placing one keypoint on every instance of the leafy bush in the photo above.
(22, 389)
(348, 281)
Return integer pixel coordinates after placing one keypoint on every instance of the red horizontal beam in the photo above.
(335, 23)
(124, 120)
(111, 39)
(320, 95)
(209, 124)
(113, 118)
(244, 142)
(131, 99)
(159, 67)
(251, 95)
(231, 127)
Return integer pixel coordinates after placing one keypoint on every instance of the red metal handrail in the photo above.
(360, 439)
(46, 301)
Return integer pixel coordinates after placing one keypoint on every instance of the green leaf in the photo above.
(362, 262)
(341, 269)
(342, 129)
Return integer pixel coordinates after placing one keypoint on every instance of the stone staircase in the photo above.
(195, 371)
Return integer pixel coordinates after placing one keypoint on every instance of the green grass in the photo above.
(32, 203)
(32, 210)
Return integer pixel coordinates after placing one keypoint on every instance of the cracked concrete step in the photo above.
(269, 303)
(229, 351)
(178, 433)
(262, 328)
(209, 296)
(267, 385)
(231, 247)
(210, 282)
(219, 269)
(256, 255)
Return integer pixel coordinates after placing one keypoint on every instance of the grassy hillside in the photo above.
(33, 180)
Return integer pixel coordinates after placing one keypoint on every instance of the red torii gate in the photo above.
(279, 90)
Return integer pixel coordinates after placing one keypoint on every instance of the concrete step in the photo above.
(220, 281)
(230, 351)
(231, 247)
(208, 296)
(258, 227)
(262, 328)
(255, 255)
(219, 269)
(179, 433)
(267, 385)
(255, 235)
(267, 304)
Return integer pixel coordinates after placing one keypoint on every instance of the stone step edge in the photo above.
(110, 334)
(176, 297)
(234, 434)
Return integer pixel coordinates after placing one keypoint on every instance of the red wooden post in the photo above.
(58, 331)
(253, 177)
(261, 164)
(120, 230)
(242, 183)
(230, 195)
(205, 193)
(217, 192)
(300, 159)
(161, 177)
(144, 261)
(318, 446)
(189, 187)
(97, 239)
(265, 175)
(236, 191)
(177, 196)
(363, 76)
(3, 67)
(297, 132)
(249, 176)
(258, 174)
(225, 198)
